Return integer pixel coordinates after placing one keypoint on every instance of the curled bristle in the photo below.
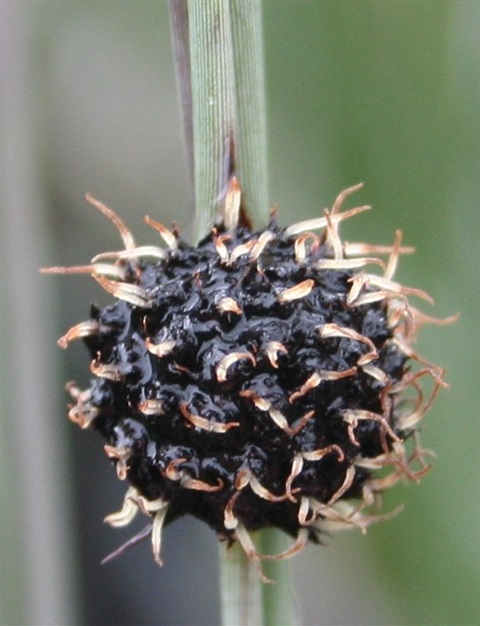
(125, 234)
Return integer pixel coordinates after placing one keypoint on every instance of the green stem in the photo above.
(212, 106)
(277, 600)
(240, 589)
(251, 121)
(223, 72)
(181, 53)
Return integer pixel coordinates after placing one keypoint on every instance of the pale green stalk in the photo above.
(251, 120)
(278, 601)
(228, 136)
(241, 589)
(212, 106)
(251, 157)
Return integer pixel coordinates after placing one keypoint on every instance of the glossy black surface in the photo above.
(186, 289)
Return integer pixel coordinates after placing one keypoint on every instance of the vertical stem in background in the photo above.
(212, 105)
(38, 576)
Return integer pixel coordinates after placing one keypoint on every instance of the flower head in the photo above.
(258, 379)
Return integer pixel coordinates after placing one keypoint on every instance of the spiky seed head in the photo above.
(256, 379)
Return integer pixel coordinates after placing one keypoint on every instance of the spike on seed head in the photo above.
(231, 210)
(167, 235)
(258, 379)
(229, 305)
(125, 234)
(297, 291)
(230, 359)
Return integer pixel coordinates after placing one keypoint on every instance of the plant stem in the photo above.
(240, 592)
(277, 600)
(181, 52)
(212, 106)
(221, 80)
(251, 123)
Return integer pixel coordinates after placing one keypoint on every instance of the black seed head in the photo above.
(257, 379)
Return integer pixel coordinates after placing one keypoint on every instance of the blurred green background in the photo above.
(381, 92)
